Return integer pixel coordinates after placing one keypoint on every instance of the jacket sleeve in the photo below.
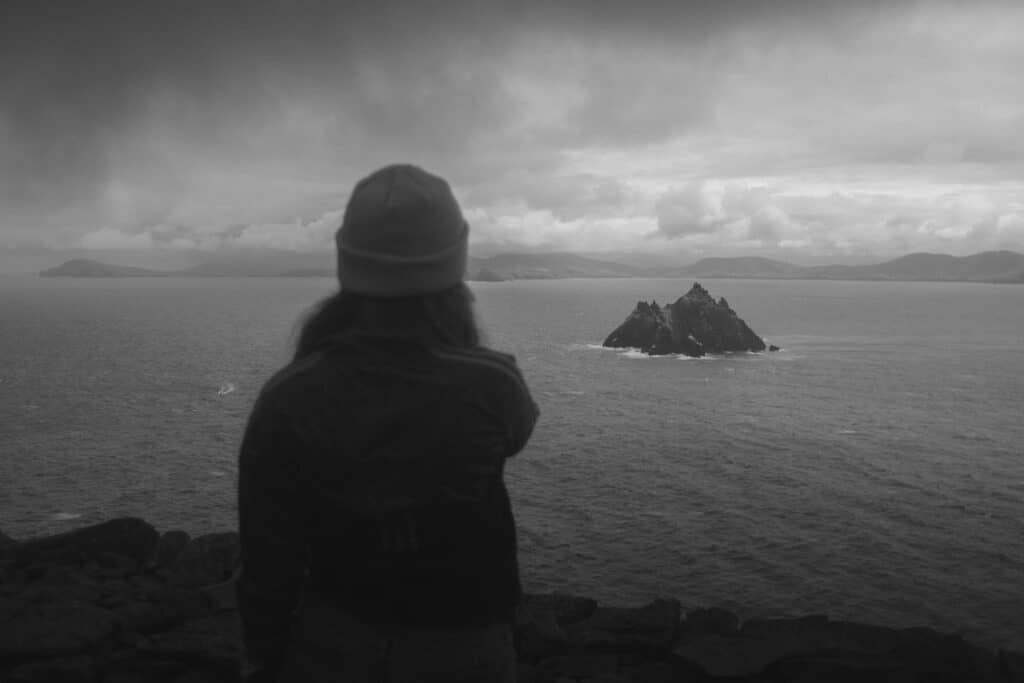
(273, 546)
(518, 408)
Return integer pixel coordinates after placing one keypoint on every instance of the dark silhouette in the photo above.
(378, 542)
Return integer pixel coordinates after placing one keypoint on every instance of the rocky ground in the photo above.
(119, 602)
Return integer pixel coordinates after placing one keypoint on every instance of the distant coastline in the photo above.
(1003, 267)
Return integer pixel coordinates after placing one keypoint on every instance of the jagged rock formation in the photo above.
(694, 325)
(119, 602)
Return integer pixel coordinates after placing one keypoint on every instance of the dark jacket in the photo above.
(370, 478)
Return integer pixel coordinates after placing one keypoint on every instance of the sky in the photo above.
(807, 130)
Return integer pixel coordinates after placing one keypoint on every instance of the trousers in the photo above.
(330, 646)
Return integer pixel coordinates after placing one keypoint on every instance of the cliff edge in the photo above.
(119, 601)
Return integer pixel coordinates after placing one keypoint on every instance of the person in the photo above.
(377, 536)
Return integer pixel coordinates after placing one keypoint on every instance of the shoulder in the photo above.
(497, 386)
(287, 383)
(482, 363)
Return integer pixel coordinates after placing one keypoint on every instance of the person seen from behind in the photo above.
(377, 536)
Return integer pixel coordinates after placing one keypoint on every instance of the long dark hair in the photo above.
(444, 318)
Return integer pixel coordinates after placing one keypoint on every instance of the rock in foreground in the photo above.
(694, 325)
(120, 603)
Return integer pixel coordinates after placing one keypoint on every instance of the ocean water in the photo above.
(873, 469)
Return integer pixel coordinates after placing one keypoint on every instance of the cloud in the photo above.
(770, 224)
(1011, 226)
(315, 235)
(310, 236)
(689, 210)
(731, 210)
(569, 196)
(723, 216)
(798, 126)
(109, 238)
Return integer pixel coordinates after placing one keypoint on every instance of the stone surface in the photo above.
(538, 633)
(865, 638)
(694, 325)
(61, 670)
(215, 640)
(169, 548)
(53, 630)
(208, 559)
(200, 676)
(813, 630)
(148, 617)
(713, 621)
(142, 667)
(840, 666)
(222, 596)
(585, 665)
(191, 603)
(567, 609)
(102, 616)
(651, 628)
(129, 537)
(735, 656)
(542, 619)
(761, 642)
(654, 672)
(1011, 664)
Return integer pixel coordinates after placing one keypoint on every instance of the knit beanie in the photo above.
(403, 234)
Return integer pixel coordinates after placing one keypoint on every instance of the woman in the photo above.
(378, 542)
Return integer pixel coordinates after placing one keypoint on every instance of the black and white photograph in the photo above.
(536, 341)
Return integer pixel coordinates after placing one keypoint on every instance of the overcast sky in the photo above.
(809, 130)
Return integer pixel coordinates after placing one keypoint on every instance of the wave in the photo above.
(589, 346)
(225, 389)
(633, 352)
(967, 509)
(65, 516)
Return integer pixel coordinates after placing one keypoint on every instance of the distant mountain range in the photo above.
(989, 266)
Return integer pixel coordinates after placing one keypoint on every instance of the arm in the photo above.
(271, 527)
(519, 412)
(499, 390)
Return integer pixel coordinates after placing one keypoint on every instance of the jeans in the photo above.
(332, 647)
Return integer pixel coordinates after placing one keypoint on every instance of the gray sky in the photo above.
(808, 130)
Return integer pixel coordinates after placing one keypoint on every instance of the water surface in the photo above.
(872, 469)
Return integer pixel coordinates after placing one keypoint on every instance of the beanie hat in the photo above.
(403, 234)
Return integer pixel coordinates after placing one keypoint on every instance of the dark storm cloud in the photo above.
(163, 122)
(419, 79)
(83, 80)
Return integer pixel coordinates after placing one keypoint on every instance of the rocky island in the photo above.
(120, 602)
(694, 325)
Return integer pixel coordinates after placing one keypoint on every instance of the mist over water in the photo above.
(870, 470)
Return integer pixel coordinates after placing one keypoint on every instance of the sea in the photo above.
(872, 470)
